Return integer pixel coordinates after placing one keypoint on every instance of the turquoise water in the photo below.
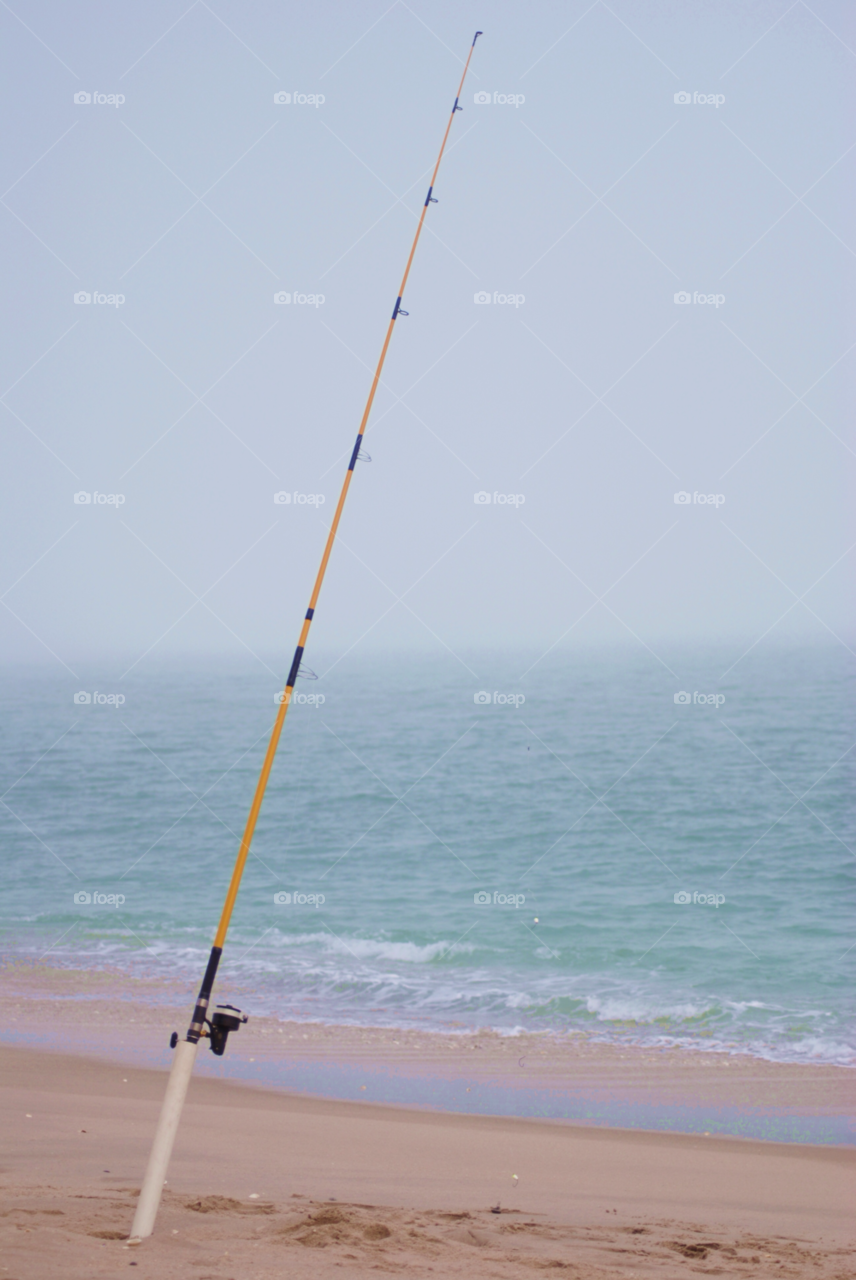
(580, 812)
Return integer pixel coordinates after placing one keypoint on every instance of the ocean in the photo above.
(649, 849)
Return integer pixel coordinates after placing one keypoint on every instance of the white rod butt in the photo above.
(156, 1170)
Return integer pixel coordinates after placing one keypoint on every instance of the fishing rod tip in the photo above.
(476, 36)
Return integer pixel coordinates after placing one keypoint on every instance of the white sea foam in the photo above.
(617, 1009)
(408, 952)
(356, 981)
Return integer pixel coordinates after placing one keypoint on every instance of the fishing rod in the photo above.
(226, 1018)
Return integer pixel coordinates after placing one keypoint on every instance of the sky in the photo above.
(653, 198)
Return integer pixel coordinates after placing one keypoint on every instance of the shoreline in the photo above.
(33, 979)
(570, 1079)
(28, 981)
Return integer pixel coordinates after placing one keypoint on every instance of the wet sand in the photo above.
(127, 1020)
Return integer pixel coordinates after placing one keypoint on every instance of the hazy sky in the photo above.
(593, 197)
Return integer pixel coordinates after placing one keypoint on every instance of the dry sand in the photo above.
(266, 1184)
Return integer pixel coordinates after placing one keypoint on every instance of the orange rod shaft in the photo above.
(255, 807)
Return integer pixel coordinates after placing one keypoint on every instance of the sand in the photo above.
(268, 1184)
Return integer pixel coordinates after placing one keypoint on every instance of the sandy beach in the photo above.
(266, 1182)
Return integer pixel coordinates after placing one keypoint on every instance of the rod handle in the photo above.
(152, 1188)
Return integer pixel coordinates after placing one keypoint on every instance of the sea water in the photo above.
(648, 849)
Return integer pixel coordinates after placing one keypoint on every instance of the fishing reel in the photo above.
(221, 1024)
(225, 1018)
